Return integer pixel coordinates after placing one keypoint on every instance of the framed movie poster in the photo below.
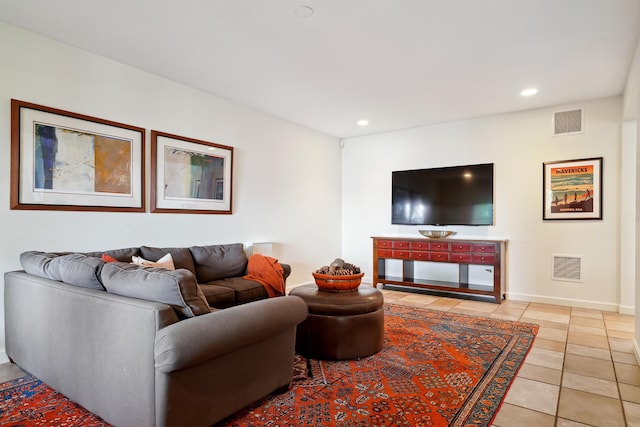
(572, 189)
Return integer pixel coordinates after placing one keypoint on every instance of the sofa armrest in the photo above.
(195, 340)
(286, 272)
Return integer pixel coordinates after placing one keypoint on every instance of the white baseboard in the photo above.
(571, 302)
(3, 357)
(627, 309)
(299, 284)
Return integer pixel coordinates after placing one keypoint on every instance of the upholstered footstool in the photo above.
(340, 325)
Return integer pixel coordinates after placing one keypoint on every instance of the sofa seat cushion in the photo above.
(181, 256)
(177, 288)
(245, 290)
(216, 262)
(219, 296)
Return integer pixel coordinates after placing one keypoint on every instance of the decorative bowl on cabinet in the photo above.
(437, 234)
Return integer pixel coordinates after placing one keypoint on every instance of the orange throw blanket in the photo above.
(268, 272)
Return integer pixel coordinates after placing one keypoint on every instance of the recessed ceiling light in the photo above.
(529, 92)
(303, 11)
(363, 122)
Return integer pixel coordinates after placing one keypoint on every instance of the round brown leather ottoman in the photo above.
(340, 325)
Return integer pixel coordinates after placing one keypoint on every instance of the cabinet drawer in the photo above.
(419, 246)
(460, 247)
(401, 245)
(420, 256)
(385, 243)
(439, 246)
(438, 256)
(484, 248)
(385, 253)
(401, 254)
(462, 258)
(483, 259)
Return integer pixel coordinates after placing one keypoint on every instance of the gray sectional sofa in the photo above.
(144, 346)
(218, 270)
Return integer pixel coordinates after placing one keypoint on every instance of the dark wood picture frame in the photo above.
(67, 161)
(190, 175)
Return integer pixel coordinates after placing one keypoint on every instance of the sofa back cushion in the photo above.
(71, 268)
(79, 270)
(216, 262)
(122, 254)
(181, 256)
(39, 264)
(177, 288)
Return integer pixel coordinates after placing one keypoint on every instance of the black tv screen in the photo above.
(458, 195)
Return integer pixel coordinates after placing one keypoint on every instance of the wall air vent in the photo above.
(568, 122)
(566, 267)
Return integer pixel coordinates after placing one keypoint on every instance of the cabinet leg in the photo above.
(464, 275)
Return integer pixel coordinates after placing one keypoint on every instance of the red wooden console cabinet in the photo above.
(456, 251)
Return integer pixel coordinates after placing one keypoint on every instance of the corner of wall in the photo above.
(630, 93)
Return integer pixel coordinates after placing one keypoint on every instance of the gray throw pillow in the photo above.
(216, 262)
(123, 254)
(177, 288)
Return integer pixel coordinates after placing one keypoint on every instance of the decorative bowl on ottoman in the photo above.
(340, 276)
(331, 283)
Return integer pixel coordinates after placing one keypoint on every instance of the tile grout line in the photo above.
(615, 371)
(564, 361)
(555, 416)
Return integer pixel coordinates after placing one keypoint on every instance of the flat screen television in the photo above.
(457, 195)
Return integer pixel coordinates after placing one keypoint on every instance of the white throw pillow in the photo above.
(164, 262)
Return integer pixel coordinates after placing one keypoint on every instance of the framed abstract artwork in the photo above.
(572, 189)
(67, 161)
(190, 175)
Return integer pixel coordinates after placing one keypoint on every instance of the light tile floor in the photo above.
(581, 370)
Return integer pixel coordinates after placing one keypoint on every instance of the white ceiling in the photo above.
(397, 63)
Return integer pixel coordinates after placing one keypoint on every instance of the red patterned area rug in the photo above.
(27, 402)
(436, 369)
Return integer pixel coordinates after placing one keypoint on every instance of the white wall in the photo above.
(630, 137)
(286, 178)
(518, 144)
(628, 218)
(296, 187)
